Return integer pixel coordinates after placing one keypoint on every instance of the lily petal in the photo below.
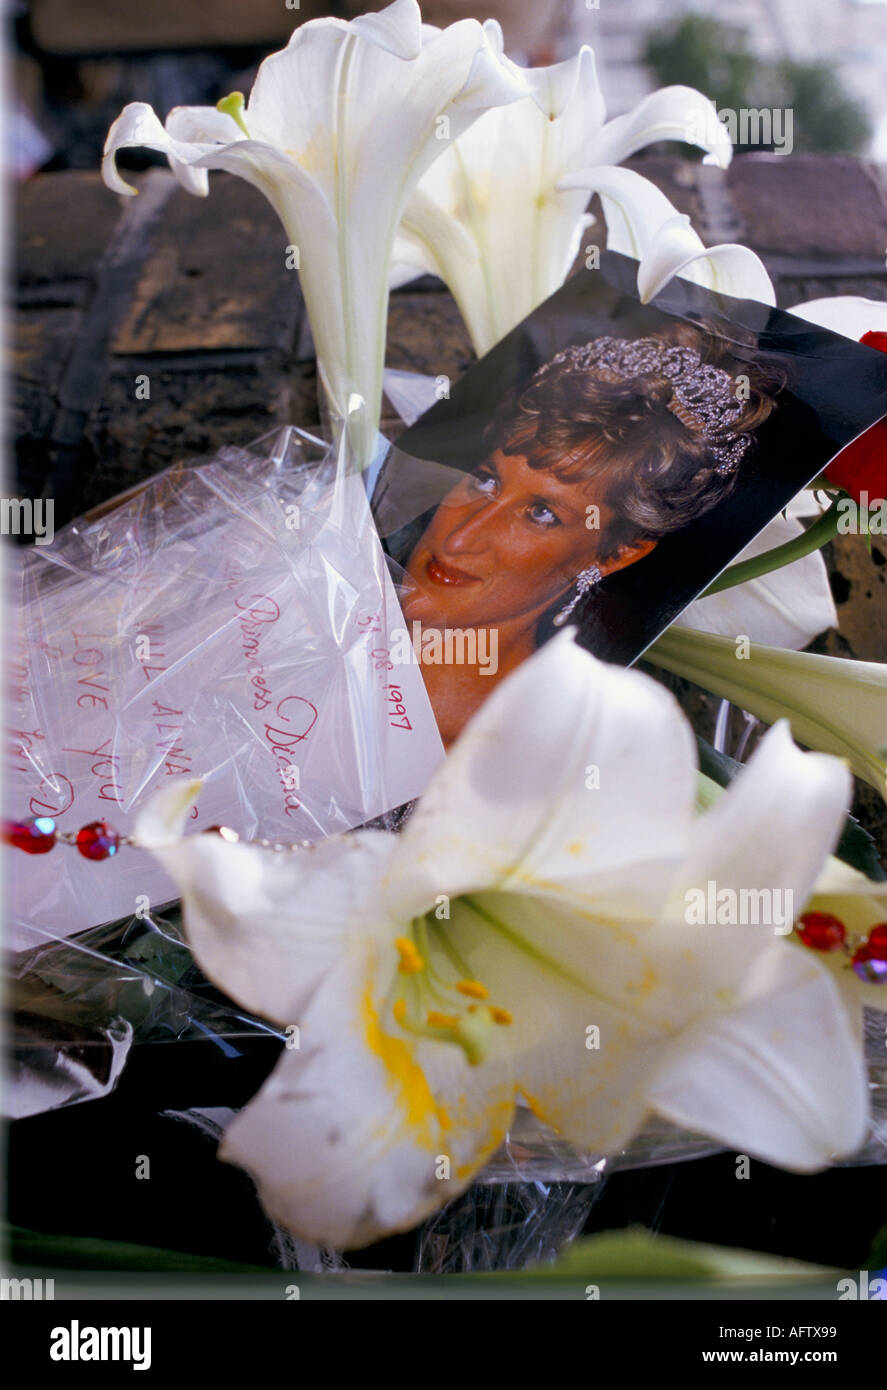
(671, 113)
(397, 28)
(557, 813)
(781, 1077)
(555, 88)
(240, 919)
(565, 908)
(432, 244)
(643, 224)
(358, 1133)
(728, 268)
(634, 208)
(738, 848)
(138, 127)
(786, 608)
(560, 975)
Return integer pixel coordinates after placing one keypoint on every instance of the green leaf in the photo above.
(638, 1254)
(632, 1255)
(36, 1249)
(877, 1258)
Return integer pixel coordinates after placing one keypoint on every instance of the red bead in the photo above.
(97, 840)
(872, 970)
(33, 836)
(877, 942)
(821, 931)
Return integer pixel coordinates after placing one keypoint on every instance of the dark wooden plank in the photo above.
(63, 225)
(97, 26)
(426, 334)
(43, 341)
(214, 278)
(190, 412)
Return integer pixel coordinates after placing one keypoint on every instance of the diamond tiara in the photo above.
(703, 396)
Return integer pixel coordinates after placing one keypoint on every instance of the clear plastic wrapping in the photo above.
(233, 621)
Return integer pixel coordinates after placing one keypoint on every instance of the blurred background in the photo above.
(74, 66)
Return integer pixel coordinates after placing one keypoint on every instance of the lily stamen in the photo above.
(473, 988)
(472, 1034)
(438, 1020)
(411, 962)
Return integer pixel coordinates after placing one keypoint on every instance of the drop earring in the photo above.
(584, 581)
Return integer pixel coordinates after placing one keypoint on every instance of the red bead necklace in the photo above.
(99, 840)
(819, 931)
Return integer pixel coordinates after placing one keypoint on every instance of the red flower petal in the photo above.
(862, 466)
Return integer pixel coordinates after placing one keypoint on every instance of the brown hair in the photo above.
(659, 471)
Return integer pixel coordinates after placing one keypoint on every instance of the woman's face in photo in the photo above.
(507, 541)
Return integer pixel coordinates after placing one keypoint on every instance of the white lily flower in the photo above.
(832, 703)
(495, 217)
(644, 224)
(339, 128)
(527, 935)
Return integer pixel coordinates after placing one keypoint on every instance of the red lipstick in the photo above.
(440, 573)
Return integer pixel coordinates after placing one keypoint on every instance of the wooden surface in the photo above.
(100, 26)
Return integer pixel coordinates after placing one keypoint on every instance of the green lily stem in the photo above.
(824, 529)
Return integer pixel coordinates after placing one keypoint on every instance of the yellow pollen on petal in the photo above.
(410, 960)
(443, 1118)
(473, 988)
(536, 1108)
(400, 1010)
(405, 1077)
(499, 1116)
(500, 1015)
(648, 982)
(438, 1020)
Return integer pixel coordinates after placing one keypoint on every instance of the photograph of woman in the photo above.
(612, 445)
